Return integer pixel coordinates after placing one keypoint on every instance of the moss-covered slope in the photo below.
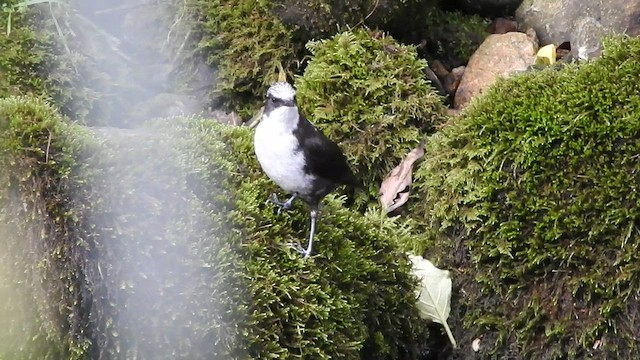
(533, 196)
(157, 243)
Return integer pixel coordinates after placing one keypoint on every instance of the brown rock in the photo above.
(502, 26)
(499, 55)
(439, 69)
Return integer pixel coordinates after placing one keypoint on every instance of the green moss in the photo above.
(452, 37)
(317, 19)
(34, 61)
(246, 41)
(448, 36)
(158, 241)
(36, 160)
(369, 93)
(352, 300)
(532, 194)
(246, 44)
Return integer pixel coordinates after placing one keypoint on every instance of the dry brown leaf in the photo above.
(394, 190)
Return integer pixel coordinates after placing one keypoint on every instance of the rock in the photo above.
(487, 7)
(502, 26)
(439, 68)
(452, 80)
(582, 22)
(435, 82)
(586, 36)
(499, 55)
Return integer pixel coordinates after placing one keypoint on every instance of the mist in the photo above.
(143, 275)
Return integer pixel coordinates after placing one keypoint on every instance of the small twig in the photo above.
(375, 6)
(46, 154)
(176, 22)
(181, 47)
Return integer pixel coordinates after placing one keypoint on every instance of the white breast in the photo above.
(278, 150)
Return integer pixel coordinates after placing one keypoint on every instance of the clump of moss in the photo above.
(353, 299)
(158, 241)
(39, 219)
(35, 60)
(369, 93)
(453, 36)
(533, 195)
(247, 44)
(248, 41)
(322, 18)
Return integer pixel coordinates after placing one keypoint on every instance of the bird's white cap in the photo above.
(282, 90)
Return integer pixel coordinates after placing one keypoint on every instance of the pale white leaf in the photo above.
(434, 293)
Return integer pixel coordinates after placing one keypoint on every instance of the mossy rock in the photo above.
(36, 60)
(247, 44)
(318, 19)
(248, 41)
(532, 195)
(157, 243)
(369, 93)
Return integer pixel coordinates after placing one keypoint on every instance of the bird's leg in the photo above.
(283, 205)
(307, 252)
(314, 214)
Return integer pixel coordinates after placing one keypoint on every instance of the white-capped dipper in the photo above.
(297, 156)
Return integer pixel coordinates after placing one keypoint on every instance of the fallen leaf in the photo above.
(395, 188)
(546, 55)
(434, 294)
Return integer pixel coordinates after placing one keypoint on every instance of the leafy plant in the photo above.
(10, 9)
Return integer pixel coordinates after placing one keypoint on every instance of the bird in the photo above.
(297, 156)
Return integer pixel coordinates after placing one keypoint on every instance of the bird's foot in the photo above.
(281, 205)
(301, 250)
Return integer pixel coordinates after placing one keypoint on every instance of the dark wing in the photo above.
(324, 157)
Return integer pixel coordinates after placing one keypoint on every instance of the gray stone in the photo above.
(582, 22)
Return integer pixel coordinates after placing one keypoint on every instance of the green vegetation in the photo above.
(247, 44)
(451, 37)
(35, 59)
(95, 224)
(42, 243)
(532, 195)
(248, 41)
(369, 93)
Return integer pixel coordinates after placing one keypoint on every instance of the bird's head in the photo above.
(281, 94)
